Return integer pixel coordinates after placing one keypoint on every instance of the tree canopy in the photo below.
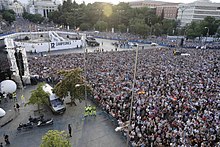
(35, 18)
(55, 138)
(8, 15)
(38, 97)
(72, 84)
(104, 16)
(209, 26)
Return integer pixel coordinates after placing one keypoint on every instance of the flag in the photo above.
(173, 98)
(141, 92)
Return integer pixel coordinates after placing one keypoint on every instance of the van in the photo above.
(55, 103)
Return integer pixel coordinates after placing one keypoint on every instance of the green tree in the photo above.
(157, 29)
(9, 16)
(122, 28)
(68, 85)
(120, 17)
(168, 26)
(35, 18)
(194, 30)
(38, 97)
(85, 26)
(55, 138)
(100, 26)
(138, 26)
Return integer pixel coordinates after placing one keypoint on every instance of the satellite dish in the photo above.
(2, 112)
(8, 86)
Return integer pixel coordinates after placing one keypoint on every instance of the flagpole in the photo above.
(132, 97)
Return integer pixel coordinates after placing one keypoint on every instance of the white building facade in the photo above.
(42, 7)
(17, 7)
(197, 11)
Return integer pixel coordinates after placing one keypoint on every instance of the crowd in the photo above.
(171, 41)
(176, 98)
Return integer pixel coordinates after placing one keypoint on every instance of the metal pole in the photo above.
(85, 74)
(207, 34)
(132, 96)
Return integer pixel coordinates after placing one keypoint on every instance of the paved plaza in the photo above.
(89, 132)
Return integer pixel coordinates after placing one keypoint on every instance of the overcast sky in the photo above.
(117, 1)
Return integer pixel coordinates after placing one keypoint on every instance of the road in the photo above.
(107, 46)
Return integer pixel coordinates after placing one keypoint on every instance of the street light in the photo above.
(182, 9)
(85, 69)
(132, 97)
(207, 33)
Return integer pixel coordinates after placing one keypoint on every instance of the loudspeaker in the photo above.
(20, 63)
(181, 42)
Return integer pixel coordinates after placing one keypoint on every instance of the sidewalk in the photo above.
(10, 113)
(8, 106)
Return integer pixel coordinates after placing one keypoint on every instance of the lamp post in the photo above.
(85, 69)
(132, 97)
(182, 9)
(207, 33)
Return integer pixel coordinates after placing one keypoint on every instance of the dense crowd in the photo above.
(171, 41)
(176, 98)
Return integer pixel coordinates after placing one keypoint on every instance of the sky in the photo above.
(117, 1)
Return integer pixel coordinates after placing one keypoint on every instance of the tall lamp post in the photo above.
(85, 69)
(132, 97)
(207, 33)
(182, 9)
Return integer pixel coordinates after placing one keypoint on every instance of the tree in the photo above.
(157, 29)
(168, 26)
(85, 26)
(68, 85)
(100, 26)
(38, 97)
(9, 16)
(55, 138)
(138, 26)
(122, 28)
(194, 30)
(35, 18)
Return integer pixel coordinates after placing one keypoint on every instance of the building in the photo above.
(42, 7)
(146, 3)
(197, 11)
(169, 11)
(4, 4)
(17, 7)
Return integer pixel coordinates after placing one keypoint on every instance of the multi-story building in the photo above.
(197, 11)
(169, 11)
(17, 7)
(146, 3)
(42, 7)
